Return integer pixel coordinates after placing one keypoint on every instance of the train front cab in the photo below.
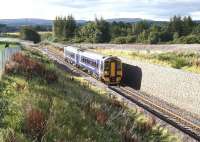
(112, 73)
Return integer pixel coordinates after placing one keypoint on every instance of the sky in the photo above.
(89, 9)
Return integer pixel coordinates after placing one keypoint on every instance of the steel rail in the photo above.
(172, 118)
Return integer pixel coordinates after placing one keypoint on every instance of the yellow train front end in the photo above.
(112, 73)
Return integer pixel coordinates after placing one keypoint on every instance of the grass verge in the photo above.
(184, 61)
(40, 102)
(11, 44)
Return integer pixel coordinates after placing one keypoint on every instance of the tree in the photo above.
(143, 37)
(140, 27)
(196, 30)
(64, 27)
(27, 33)
(188, 25)
(154, 37)
(102, 31)
(176, 25)
(58, 27)
(119, 29)
(96, 32)
(69, 26)
(87, 32)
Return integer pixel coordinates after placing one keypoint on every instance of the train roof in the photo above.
(87, 53)
(91, 55)
(71, 48)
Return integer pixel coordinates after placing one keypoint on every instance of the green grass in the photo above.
(2, 46)
(11, 44)
(184, 61)
(73, 111)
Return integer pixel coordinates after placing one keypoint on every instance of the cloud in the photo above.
(87, 9)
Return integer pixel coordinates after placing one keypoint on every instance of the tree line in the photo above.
(177, 30)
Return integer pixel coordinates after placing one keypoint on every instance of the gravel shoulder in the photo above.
(147, 48)
(172, 85)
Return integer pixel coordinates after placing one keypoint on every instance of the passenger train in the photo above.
(105, 68)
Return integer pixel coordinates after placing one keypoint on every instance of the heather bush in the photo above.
(35, 123)
(23, 64)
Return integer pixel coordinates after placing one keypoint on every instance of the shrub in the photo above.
(179, 63)
(51, 76)
(124, 39)
(119, 40)
(35, 123)
(145, 125)
(23, 64)
(131, 39)
(27, 65)
(46, 36)
(11, 67)
(28, 33)
(190, 39)
(154, 38)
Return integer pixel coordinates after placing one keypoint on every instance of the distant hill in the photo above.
(25, 21)
(35, 21)
(126, 20)
(30, 22)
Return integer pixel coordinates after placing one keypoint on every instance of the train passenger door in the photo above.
(113, 69)
(113, 73)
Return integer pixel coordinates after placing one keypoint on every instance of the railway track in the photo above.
(165, 114)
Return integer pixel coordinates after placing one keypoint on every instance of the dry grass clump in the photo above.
(11, 137)
(145, 124)
(101, 117)
(116, 103)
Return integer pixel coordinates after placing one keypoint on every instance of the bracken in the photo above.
(35, 123)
